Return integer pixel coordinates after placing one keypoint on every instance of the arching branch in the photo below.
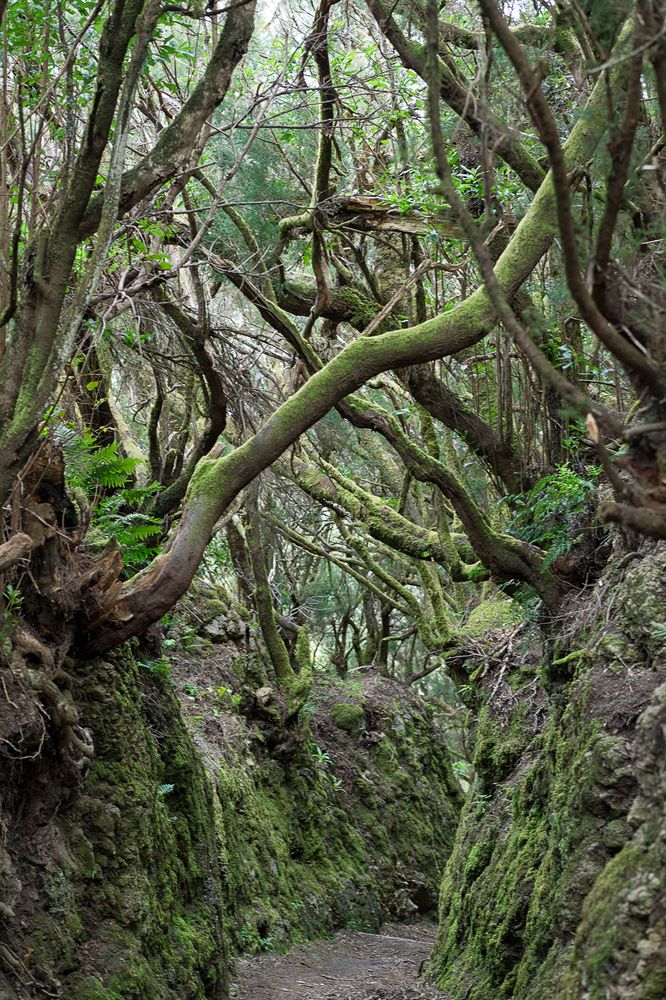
(218, 480)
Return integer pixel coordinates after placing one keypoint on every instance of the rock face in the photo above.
(188, 842)
(620, 947)
(556, 885)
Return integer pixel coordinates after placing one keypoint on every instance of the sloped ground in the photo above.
(351, 966)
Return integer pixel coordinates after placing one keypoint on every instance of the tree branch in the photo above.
(175, 143)
(217, 481)
(460, 98)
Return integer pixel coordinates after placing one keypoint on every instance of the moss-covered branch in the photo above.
(505, 557)
(309, 546)
(382, 521)
(428, 630)
(217, 481)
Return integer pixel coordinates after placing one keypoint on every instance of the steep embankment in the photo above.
(201, 831)
(555, 888)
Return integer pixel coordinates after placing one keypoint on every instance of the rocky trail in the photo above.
(351, 966)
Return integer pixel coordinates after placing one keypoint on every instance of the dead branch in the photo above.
(18, 547)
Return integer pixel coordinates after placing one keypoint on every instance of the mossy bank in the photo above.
(195, 835)
(555, 885)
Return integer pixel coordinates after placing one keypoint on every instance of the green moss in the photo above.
(301, 684)
(546, 896)
(349, 717)
(168, 869)
(91, 989)
(600, 925)
(143, 880)
(499, 746)
(359, 308)
(489, 615)
(310, 855)
(521, 867)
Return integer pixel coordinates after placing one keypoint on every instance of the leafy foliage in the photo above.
(90, 467)
(544, 514)
(10, 608)
(136, 533)
(95, 470)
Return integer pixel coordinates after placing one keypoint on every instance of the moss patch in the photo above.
(548, 893)
(348, 716)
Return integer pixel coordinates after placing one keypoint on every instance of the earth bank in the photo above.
(202, 831)
(555, 886)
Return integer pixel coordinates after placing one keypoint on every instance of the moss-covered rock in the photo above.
(621, 940)
(130, 895)
(497, 613)
(348, 716)
(548, 893)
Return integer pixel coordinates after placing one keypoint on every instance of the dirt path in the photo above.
(352, 966)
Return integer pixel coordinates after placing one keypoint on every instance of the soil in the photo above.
(351, 966)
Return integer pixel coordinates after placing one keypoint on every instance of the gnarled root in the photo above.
(61, 710)
(649, 521)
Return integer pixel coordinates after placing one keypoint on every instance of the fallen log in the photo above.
(366, 213)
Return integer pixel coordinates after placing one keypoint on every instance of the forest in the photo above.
(333, 499)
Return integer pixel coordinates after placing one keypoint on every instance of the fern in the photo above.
(109, 469)
(133, 531)
(90, 467)
(546, 514)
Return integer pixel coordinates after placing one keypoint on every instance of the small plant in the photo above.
(234, 699)
(190, 639)
(322, 758)
(89, 466)
(481, 800)
(164, 790)
(658, 631)
(245, 938)
(158, 668)
(98, 470)
(13, 602)
(136, 533)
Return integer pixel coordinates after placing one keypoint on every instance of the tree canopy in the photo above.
(354, 309)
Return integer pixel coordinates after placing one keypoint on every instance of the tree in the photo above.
(466, 300)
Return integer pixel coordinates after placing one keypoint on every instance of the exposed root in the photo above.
(18, 547)
(61, 710)
(648, 521)
(29, 645)
(13, 964)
